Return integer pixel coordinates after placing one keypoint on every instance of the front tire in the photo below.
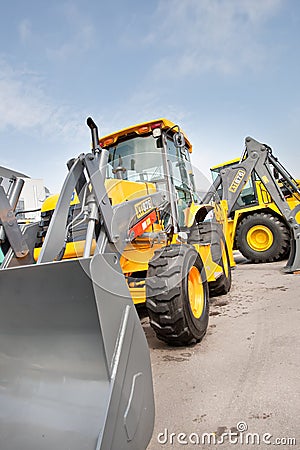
(262, 237)
(177, 297)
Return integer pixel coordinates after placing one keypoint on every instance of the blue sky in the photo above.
(221, 69)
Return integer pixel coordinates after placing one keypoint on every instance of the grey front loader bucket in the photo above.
(75, 370)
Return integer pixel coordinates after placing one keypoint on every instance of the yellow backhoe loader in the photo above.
(170, 255)
(263, 205)
(126, 229)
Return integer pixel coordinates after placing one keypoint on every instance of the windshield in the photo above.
(143, 159)
(137, 159)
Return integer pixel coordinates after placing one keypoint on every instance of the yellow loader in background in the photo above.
(263, 205)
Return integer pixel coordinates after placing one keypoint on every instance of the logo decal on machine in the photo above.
(237, 180)
(143, 207)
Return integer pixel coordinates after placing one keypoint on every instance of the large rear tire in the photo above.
(177, 295)
(262, 237)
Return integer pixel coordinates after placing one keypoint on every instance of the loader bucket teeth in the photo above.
(74, 362)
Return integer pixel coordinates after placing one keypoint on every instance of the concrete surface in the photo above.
(243, 378)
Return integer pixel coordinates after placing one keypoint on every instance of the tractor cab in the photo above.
(156, 155)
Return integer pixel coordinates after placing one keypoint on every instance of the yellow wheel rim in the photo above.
(260, 238)
(196, 292)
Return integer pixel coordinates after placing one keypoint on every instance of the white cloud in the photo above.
(210, 35)
(49, 131)
(24, 105)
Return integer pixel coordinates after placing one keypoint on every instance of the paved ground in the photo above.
(244, 374)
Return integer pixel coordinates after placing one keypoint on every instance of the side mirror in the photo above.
(179, 140)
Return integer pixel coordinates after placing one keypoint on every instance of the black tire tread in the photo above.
(280, 247)
(164, 305)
